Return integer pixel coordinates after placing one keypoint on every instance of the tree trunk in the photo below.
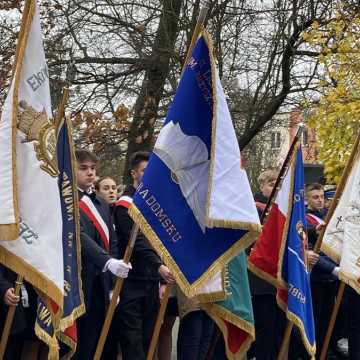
(147, 104)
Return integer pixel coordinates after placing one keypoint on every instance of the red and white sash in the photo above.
(314, 220)
(124, 201)
(259, 205)
(88, 207)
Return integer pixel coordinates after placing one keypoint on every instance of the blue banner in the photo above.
(295, 271)
(170, 202)
(73, 298)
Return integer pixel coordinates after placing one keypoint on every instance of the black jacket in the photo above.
(322, 271)
(24, 318)
(259, 286)
(93, 254)
(144, 260)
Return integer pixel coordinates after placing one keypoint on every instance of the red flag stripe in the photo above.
(236, 337)
(265, 255)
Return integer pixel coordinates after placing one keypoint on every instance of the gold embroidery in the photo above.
(38, 128)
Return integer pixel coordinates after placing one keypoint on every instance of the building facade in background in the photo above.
(278, 139)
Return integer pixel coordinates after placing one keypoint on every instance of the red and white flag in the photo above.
(264, 256)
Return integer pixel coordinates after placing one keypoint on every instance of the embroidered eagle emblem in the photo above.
(39, 129)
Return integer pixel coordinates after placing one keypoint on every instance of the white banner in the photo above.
(30, 184)
(342, 236)
(230, 202)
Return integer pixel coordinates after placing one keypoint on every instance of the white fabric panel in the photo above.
(38, 193)
(7, 214)
(282, 198)
(231, 198)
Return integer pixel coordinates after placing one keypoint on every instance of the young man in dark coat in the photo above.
(97, 242)
(324, 275)
(139, 299)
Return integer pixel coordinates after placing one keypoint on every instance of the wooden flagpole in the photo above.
(9, 319)
(159, 321)
(284, 348)
(317, 246)
(200, 22)
(61, 109)
(334, 313)
(116, 292)
(282, 173)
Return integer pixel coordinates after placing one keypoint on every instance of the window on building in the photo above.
(275, 140)
(305, 137)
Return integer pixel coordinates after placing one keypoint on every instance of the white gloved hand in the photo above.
(118, 267)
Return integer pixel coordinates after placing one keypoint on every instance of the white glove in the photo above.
(118, 267)
(335, 272)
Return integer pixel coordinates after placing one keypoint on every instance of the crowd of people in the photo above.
(270, 321)
(102, 249)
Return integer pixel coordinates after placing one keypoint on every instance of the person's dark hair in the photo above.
(98, 182)
(313, 186)
(137, 158)
(85, 155)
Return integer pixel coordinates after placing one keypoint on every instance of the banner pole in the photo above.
(116, 292)
(199, 23)
(284, 349)
(9, 319)
(334, 313)
(282, 172)
(159, 322)
(61, 108)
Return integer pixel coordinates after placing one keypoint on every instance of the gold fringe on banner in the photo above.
(297, 321)
(350, 279)
(216, 295)
(190, 290)
(31, 275)
(263, 274)
(51, 342)
(70, 343)
(9, 231)
(331, 253)
(219, 314)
